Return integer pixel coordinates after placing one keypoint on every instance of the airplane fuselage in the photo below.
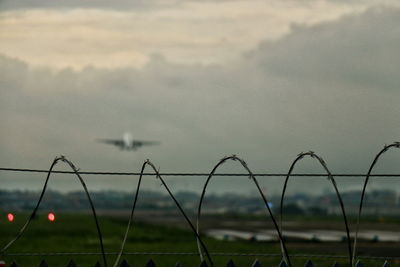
(128, 141)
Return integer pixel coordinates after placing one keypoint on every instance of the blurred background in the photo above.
(264, 80)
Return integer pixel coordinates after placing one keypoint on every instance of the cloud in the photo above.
(103, 4)
(316, 89)
(147, 5)
(354, 50)
(208, 32)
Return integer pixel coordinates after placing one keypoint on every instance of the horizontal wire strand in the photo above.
(202, 174)
(316, 256)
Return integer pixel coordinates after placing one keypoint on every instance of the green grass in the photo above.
(77, 233)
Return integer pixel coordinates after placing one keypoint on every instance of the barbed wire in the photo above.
(33, 214)
(250, 175)
(352, 254)
(383, 175)
(377, 157)
(158, 176)
(311, 154)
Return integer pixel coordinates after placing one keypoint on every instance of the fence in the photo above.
(205, 256)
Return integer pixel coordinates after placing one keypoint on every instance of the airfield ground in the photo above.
(169, 233)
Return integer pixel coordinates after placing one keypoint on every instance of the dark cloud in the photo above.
(358, 50)
(328, 88)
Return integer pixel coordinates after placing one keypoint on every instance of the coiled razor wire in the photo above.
(147, 162)
(22, 230)
(385, 149)
(251, 176)
(330, 177)
(200, 244)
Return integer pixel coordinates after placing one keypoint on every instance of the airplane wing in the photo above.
(115, 142)
(138, 143)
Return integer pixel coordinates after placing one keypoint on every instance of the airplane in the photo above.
(127, 142)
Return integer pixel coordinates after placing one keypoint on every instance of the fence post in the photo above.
(71, 263)
(256, 264)
(230, 264)
(309, 264)
(43, 263)
(150, 263)
(282, 264)
(124, 263)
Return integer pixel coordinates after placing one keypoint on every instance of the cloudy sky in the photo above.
(263, 79)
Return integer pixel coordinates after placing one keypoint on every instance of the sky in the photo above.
(262, 79)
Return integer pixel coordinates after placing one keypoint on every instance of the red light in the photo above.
(51, 217)
(10, 217)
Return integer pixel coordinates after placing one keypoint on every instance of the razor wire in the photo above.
(23, 228)
(158, 176)
(385, 149)
(251, 176)
(78, 173)
(330, 177)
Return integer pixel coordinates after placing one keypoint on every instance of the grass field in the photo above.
(77, 233)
